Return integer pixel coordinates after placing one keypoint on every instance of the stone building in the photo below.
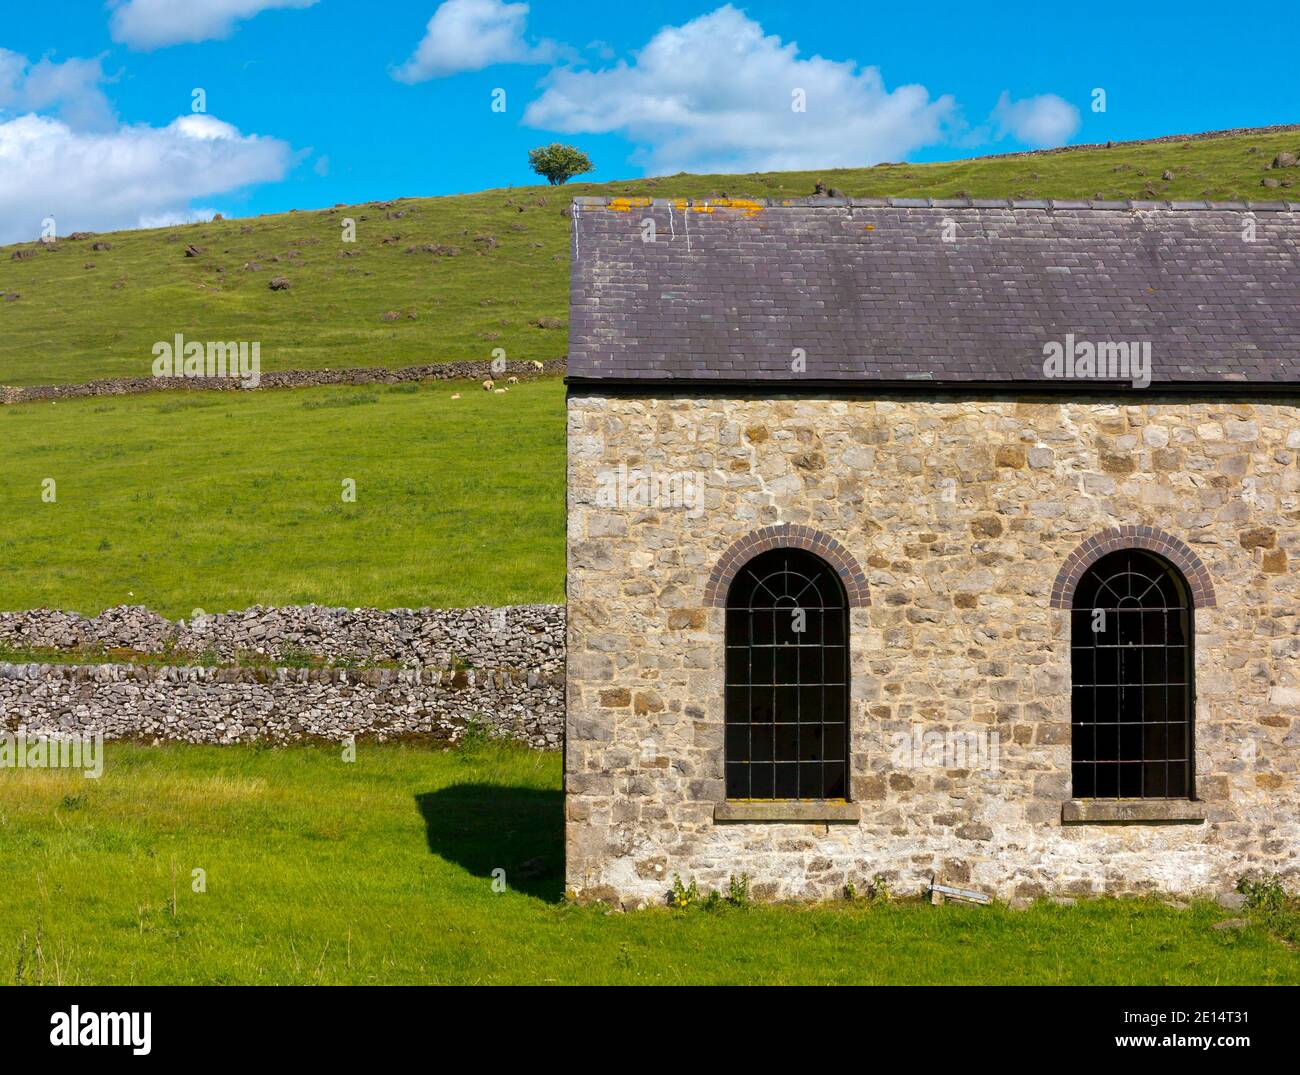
(921, 540)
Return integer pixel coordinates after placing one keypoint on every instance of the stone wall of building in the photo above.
(961, 513)
(233, 705)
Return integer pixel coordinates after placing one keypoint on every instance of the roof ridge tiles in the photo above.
(1045, 204)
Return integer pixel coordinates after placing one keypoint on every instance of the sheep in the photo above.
(489, 384)
(512, 380)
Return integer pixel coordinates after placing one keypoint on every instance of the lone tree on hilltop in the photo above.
(559, 163)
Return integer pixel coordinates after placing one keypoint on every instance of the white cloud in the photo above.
(70, 88)
(716, 95)
(469, 35)
(1041, 122)
(129, 177)
(173, 217)
(151, 24)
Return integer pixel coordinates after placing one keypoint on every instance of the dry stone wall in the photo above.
(518, 636)
(124, 386)
(500, 668)
(233, 705)
(961, 513)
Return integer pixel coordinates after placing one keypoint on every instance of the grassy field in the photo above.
(82, 314)
(207, 500)
(380, 870)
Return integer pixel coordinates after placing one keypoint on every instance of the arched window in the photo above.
(1133, 697)
(787, 685)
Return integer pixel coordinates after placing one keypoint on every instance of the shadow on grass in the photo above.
(483, 827)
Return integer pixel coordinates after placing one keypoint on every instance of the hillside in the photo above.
(202, 499)
(458, 276)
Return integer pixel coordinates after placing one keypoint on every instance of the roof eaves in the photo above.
(944, 203)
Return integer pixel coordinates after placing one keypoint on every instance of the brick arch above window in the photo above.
(785, 536)
(1176, 552)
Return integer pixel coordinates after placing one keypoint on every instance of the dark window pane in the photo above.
(762, 781)
(1153, 664)
(810, 780)
(834, 775)
(1130, 781)
(1082, 782)
(1130, 741)
(1176, 741)
(1107, 784)
(1130, 665)
(737, 627)
(738, 741)
(787, 780)
(1130, 627)
(1153, 628)
(1107, 667)
(787, 664)
(1154, 784)
(810, 664)
(812, 632)
(1082, 664)
(810, 742)
(1081, 626)
(836, 629)
(1176, 626)
(1178, 779)
(1107, 742)
(1155, 740)
(787, 742)
(737, 780)
(761, 742)
(835, 741)
(834, 658)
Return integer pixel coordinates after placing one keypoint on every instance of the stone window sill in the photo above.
(787, 810)
(1103, 811)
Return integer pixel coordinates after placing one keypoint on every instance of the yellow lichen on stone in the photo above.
(626, 205)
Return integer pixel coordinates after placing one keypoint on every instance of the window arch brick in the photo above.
(787, 535)
(1133, 537)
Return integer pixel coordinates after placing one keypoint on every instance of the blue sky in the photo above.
(312, 102)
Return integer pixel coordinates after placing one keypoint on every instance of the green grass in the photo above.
(380, 871)
(206, 500)
(73, 323)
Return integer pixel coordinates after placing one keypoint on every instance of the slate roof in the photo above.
(871, 292)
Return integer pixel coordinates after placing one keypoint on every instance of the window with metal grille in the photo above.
(787, 679)
(1131, 657)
